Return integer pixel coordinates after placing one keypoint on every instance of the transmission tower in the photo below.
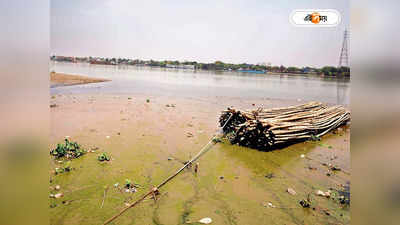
(344, 53)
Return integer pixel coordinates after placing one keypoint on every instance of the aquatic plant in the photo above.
(69, 150)
(66, 168)
(103, 157)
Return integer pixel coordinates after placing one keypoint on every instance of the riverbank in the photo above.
(61, 79)
(148, 138)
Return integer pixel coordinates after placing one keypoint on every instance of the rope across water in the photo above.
(203, 150)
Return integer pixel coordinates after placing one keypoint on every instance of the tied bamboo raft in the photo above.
(268, 129)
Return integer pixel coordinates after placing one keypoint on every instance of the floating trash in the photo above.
(206, 220)
(59, 195)
(291, 191)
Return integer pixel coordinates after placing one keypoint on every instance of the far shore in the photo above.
(61, 79)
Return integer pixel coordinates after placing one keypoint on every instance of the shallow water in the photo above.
(187, 83)
(142, 136)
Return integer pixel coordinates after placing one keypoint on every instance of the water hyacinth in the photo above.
(69, 150)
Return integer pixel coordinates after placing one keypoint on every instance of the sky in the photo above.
(232, 31)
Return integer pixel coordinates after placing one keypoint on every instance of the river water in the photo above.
(188, 83)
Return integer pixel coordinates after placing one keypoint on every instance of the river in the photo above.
(189, 83)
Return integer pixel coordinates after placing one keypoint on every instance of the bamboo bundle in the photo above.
(265, 129)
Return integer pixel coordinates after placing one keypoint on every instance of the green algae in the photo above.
(236, 199)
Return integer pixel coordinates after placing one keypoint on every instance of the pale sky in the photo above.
(233, 31)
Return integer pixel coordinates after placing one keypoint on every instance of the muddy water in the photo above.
(233, 185)
(187, 83)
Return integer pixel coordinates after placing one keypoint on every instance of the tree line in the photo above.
(217, 65)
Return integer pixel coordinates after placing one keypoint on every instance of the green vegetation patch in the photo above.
(104, 157)
(66, 168)
(69, 150)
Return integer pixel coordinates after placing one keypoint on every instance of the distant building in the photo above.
(189, 67)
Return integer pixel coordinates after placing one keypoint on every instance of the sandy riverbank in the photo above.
(60, 79)
(149, 140)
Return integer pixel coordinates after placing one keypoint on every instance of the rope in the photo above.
(203, 150)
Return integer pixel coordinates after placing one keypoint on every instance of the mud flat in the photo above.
(60, 79)
(149, 137)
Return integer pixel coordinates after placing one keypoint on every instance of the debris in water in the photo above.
(57, 187)
(107, 137)
(59, 195)
(314, 138)
(305, 203)
(335, 168)
(221, 177)
(328, 194)
(128, 183)
(269, 204)
(270, 176)
(312, 168)
(116, 184)
(53, 105)
(324, 194)
(334, 157)
(206, 220)
(291, 191)
(147, 100)
(320, 193)
(325, 145)
(66, 168)
(302, 156)
(216, 140)
(170, 158)
(326, 212)
(196, 168)
(188, 134)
